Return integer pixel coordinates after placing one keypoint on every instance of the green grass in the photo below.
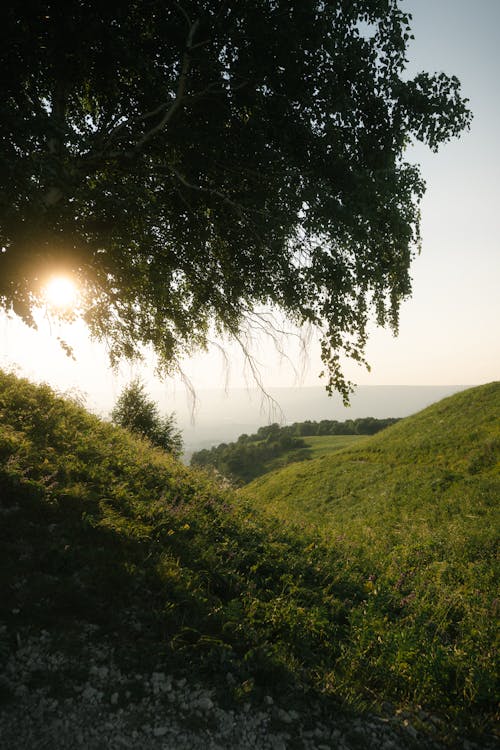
(315, 447)
(244, 460)
(414, 510)
(382, 588)
(322, 445)
(402, 470)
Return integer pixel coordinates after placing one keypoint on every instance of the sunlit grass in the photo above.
(315, 447)
(322, 445)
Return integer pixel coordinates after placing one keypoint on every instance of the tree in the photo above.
(135, 411)
(192, 162)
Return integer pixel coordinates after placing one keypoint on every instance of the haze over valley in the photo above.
(222, 416)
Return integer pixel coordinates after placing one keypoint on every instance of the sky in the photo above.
(449, 329)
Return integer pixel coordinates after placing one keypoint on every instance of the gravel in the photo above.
(59, 701)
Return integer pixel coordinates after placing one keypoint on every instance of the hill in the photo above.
(415, 509)
(447, 448)
(125, 574)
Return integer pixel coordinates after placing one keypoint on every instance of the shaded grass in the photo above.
(99, 527)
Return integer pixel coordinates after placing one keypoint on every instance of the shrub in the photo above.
(139, 414)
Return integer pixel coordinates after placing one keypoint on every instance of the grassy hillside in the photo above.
(106, 539)
(274, 446)
(414, 511)
(99, 527)
(393, 480)
(322, 445)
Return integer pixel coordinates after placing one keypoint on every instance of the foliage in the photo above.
(188, 163)
(139, 414)
(273, 446)
(100, 528)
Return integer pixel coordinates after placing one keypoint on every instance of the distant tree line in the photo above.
(362, 426)
(247, 458)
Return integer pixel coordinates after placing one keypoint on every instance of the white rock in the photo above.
(160, 731)
(91, 694)
(204, 703)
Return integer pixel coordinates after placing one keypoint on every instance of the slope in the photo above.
(101, 530)
(434, 469)
(414, 510)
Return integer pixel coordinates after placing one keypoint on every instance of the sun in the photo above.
(61, 292)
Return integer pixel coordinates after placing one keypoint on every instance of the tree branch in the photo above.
(171, 108)
(53, 193)
(184, 13)
(210, 191)
(181, 90)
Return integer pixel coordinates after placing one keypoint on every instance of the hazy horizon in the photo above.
(221, 416)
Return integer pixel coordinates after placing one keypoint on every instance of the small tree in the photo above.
(139, 414)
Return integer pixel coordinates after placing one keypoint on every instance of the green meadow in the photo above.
(322, 445)
(365, 577)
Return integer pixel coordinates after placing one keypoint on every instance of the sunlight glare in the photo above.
(61, 292)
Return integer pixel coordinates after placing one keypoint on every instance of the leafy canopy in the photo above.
(139, 414)
(189, 163)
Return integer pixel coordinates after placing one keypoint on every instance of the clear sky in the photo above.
(450, 328)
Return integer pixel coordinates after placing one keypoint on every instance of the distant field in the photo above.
(316, 447)
(322, 445)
